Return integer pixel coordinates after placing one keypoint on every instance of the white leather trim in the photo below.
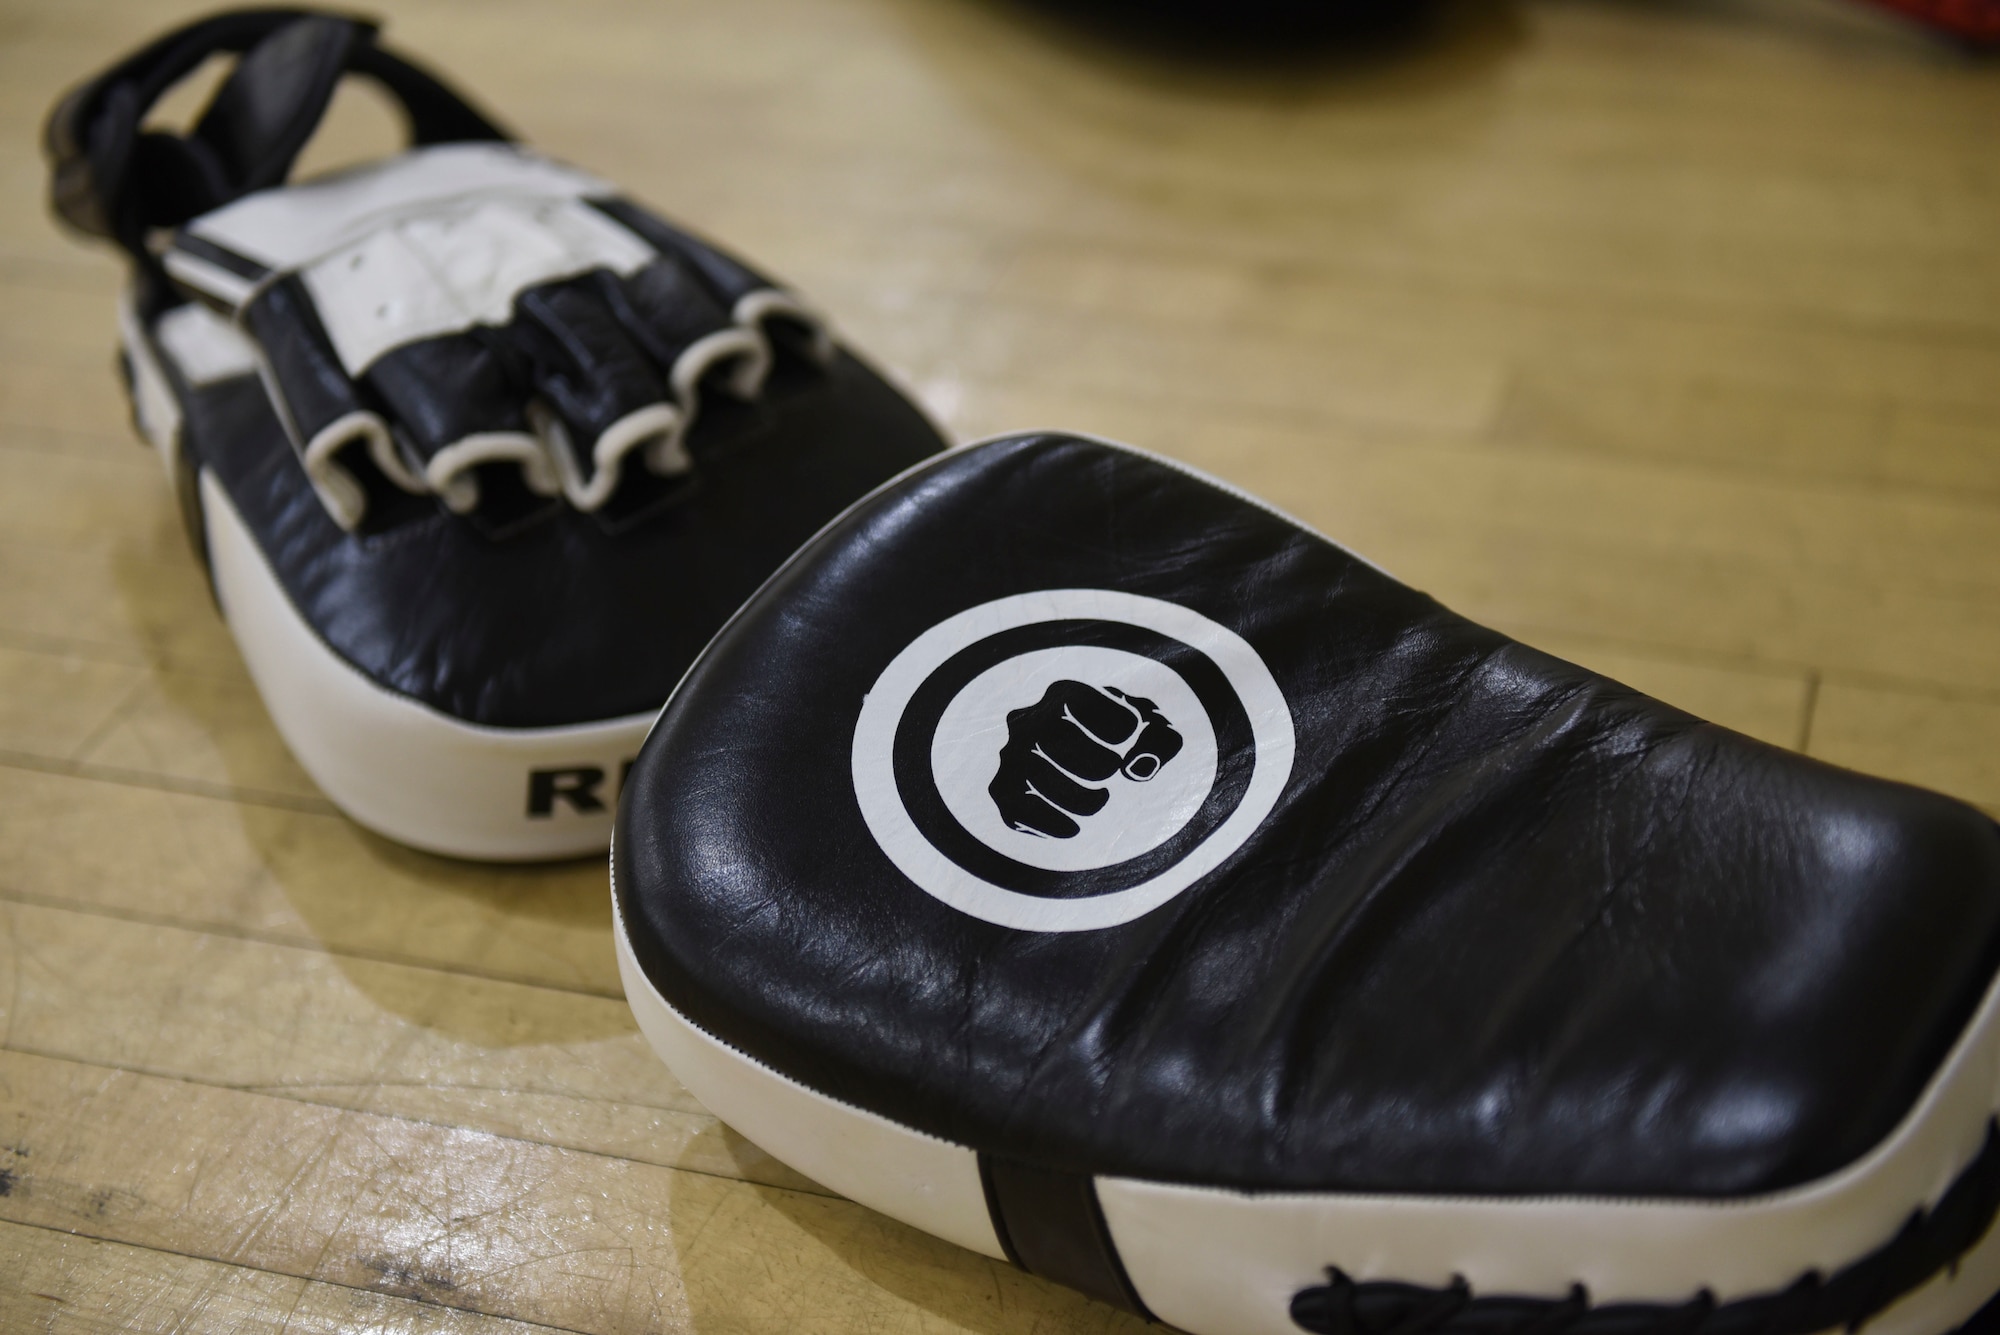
(287, 226)
(403, 770)
(438, 273)
(1257, 1250)
(232, 290)
(754, 308)
(745, 345)
(338, 491)
(205, 347)
(154, 406)
(927, 1183)
(654, 429)
(447, 476)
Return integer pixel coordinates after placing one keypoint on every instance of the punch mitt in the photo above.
(479, 451)
(1078, 860)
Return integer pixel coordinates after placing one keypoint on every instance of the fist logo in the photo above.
(1072, 739)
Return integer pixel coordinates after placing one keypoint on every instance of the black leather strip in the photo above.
(1929, 1242)
(440, 390)
(112, 178)
(262, 115)
(301, 358)
(728, 278)
(221, 257)
(664, 307)
(1051, 1225)
(993, 1210)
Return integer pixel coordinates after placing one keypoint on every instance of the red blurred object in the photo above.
(1975, 20)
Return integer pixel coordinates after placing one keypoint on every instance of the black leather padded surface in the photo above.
(1510, 927)
(569, 618)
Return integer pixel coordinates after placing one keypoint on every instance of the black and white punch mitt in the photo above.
(478, 451)
(1080, 861)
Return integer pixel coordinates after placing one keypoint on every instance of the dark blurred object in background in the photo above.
(1256, 27)
(1264, 27)
(1977, 21)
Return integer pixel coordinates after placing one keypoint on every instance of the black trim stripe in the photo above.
(221, 257)
(1050, 1224)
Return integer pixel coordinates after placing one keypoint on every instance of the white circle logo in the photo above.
(1069, 759)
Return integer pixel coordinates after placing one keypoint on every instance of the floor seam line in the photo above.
(265, 1092)
(30, 899)
(286, 1274)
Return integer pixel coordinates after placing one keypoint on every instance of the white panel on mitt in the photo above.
(420, 277)
(205, 347)
(153, 402)
(288, 226)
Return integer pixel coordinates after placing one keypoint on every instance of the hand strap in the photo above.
(111, 178)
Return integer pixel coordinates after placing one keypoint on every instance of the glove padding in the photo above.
(474, 312)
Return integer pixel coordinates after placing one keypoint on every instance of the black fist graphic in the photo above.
(1076, 736)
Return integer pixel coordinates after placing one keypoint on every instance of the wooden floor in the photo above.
(1664, 335)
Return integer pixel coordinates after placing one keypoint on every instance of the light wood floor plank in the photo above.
(57, 1283)
(1764, 572)
(484, 1223)
(529, 1063)
(1823, 435)
(208, 728)
(53, 704)
(280, 874)
(1938, 742)
(72, 500)
(129, 597)
(1768, 705)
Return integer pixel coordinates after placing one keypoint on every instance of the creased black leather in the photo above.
(1511, 928)
(570, 619)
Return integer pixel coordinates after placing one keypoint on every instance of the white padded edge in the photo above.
(1258, 1250)
(403, 770)
(287, 226)
(447, 472)
(655, 430)
(743, 345)
(927, 1183)
(754, 308)
(231, 289)
(154, 406)
(338, 489)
